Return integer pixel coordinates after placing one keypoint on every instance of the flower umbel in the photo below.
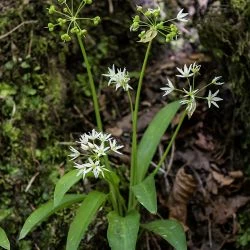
(189, 97)
(152, 25)
(91, 149)
(70, 17)
(118, 77)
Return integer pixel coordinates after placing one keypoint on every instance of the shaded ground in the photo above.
(203, 183)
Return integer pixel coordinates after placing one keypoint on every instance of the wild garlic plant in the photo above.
(90, 152)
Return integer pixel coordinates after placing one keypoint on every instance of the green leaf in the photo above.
(5, 213)
(149, 35)
(170, 230)
(84, 216)
(4, 242)
(152, 137)
(123, 231)
(46, 210)
(145, 193)
(64, 184)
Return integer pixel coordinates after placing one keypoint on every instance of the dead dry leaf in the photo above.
(236, 174)
(115, 131)
(222, 179)
(223, 208)
(204, 142)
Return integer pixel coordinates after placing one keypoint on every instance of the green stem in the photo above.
(134, 136)
(170, 143)
(114, 192)
(92, 85)
(130, 103)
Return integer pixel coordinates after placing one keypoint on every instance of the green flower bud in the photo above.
(168, 38)
(61, 21)
(160, 25)
(136, 18)
(65, 10)
(88, 1)
(139, 8)
(156, 12)
(83, 32)
(135, 26)
(52, 9)
(51, 26)
(65, 37)
(148, 13)
(173, 28)
(142, 34)
(96, 20)
(75, 30)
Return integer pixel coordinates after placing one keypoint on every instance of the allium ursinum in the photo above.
(118, 77)
(151, 24)
(189, 97)
(91, 149)
(69, 17)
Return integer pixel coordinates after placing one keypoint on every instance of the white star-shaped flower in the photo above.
(191, 106)
(96, 168)
(181, 16)
(75, 153)
(215, 81)
(100, 150)
(114, 147)
(119, 78)
(83, 169)
(212, 99)
(186, 72)
(104, 137)
(83, 139)
(93, 135)
(170, 87)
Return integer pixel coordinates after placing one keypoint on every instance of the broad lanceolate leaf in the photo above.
(84, 215)
(145, 193)
(123, 231)
(152, 138)
(64, 184)
(46, 210)
(170, 230)
(4, 242)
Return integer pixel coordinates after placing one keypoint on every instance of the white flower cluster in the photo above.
(118, 77)
(92, 147)
(190, 96)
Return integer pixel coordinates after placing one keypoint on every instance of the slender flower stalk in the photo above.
(92, 85)
(170, 143)
(133, 177)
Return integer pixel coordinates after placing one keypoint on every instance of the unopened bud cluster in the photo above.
(190, 96)
(151, 24)
(69, 18)
(92, 147)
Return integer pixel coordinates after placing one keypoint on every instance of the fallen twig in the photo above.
(17, 27)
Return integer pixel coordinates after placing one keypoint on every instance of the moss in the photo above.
(42, 80)
(224, 31)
